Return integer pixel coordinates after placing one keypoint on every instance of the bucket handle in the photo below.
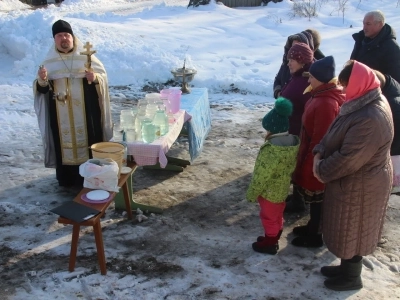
(97, 150)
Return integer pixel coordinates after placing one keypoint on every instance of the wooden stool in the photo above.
(95, 221)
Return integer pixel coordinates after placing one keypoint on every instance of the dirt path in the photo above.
(205, 232)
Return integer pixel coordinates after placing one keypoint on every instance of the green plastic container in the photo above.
(120, 201)
(119, 198)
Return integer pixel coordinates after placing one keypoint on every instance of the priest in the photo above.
(72, 104)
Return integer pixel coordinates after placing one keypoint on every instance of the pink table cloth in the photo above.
(150, 154)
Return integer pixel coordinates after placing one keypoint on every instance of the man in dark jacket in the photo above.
(391, 90)
(312, 38)
(376, 46)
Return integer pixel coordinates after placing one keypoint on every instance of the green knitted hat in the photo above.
(277, 120)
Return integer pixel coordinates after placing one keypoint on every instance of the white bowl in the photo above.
(97, 195)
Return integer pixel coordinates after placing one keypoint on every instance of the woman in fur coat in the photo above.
(353, 160)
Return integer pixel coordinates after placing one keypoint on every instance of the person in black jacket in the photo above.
(376, 46)
(312, 38)
(391, 90)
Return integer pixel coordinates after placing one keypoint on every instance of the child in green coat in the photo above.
(273, 169)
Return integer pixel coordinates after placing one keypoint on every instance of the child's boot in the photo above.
(261, 237)
(268, 245)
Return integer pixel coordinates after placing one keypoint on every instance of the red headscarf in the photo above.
(362, 80)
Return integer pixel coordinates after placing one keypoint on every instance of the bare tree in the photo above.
(305, 8)
(343, 6)
(320, 3)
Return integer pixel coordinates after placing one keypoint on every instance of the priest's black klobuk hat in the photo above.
(61, 26)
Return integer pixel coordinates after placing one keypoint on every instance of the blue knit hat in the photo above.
(324, 69)
(277, 119)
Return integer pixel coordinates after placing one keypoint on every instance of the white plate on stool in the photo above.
(125, 170)
(97, 195)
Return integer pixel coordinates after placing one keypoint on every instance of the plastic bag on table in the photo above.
(100, 174)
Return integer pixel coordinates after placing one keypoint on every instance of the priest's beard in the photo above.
(66, 46)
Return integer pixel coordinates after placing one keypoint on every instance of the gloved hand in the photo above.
(277, 93)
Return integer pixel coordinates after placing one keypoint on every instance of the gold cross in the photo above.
(88, 46)
(88, 53)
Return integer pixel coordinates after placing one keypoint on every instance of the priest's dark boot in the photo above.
(350, 277)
